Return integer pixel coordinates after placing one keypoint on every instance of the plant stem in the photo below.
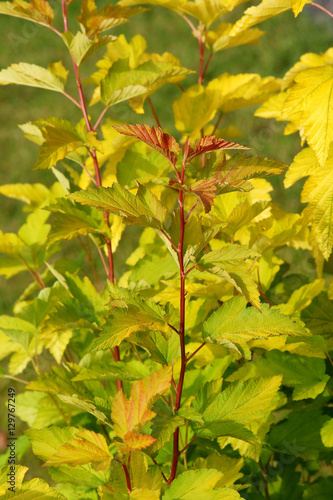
(110, 269)
(188, 444)
(197, 350)
(176, 452)
(263, 473)
(128, 479)
(100, 118)
(10, 377)
(154, 112)
(322, 8)
(58, 408)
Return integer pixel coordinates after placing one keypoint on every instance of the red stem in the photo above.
(110, 272)
(322, 8)
(154, 112)
(128, 479)
(176, 452)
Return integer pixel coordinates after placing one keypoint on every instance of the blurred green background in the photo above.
(285, 41)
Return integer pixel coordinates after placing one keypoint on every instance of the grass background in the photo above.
(285, 41)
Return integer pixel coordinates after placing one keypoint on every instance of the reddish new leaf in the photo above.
(212, 143)
(154, 137)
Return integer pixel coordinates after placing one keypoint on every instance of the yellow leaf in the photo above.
(87, 447)
(238, 91)
(258, 14)
(206, 11)
(297, 5)
(220, 38)
(304, 164)
(132, 414)
(272, 108)
(310, 105)
(309, 60)
(301, 298)
(195, 108)
(318, 193)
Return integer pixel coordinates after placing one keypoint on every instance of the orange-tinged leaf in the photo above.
(138, 441)
(132, 414)
(154, 137)
(37, 11)
(87, 447)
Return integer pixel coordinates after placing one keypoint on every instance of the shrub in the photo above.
(201, 371)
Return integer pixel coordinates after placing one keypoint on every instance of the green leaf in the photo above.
(163, 426)
(196, 484)
(70, 221)
(244, 402)
(18, 330)
(143, 209)
(46, 442)
(306, 375)
(191, 414)
(229, 263)
(81, 47)
(299, 436)
(229, 467)
(144, 477)
(134, 315)
(31, 75)
(318, 317)
(86, 447)
(60, 139)
(38, 12)
(326, 433)
(233, 324)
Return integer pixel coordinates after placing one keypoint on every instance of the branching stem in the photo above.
(322, 8)
(110, 268)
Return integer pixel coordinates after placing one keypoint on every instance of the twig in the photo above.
(188, 444)
(162, 473)
(322, 8)
(100, 118)
(154, 112)
(190, 212)
(195, 352)
(264, 477)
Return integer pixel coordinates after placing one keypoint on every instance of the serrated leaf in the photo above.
(191, 414)
(164, 425)
(154, 137)
(196, 107)
(36, 488)
(211, 143)
(193, 485)
(46, 442)
(31, 75)
(308, 104)
(298, 5)
(37, 11)
(229, 263)
(244, 402)
(81, 47)
(130, 314)
(143, 209)
(230, 467)
(233, 324)
(70, 221)
(130, 415)
(318, 193)
(318, 316)
(86, 447)
(123, 82)
(93, 22)
(60, 139)
(220, 38)
(259, 13)
(144, 477)
(305, 163)
(305, 375)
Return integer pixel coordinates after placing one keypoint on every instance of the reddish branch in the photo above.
(92, 151)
